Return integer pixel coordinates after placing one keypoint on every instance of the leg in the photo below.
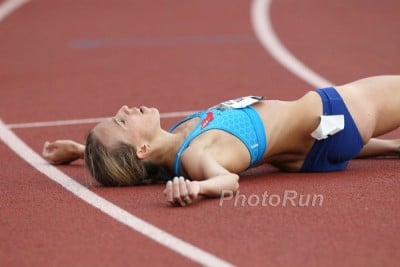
(380, 147)
(374, 104)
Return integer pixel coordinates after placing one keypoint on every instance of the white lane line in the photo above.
(173, 243)
(8, 6)
(164, 41)
(261, 20)
(86, 121)
(25, 152)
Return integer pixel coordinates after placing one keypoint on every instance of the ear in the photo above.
(142, 152)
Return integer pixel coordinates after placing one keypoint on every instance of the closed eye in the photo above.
(119, 121)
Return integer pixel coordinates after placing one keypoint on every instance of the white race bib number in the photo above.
(240, 102)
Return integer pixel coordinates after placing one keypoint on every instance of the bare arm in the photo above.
(217, 185)
(183, 192)
(62, 151)
(217, 181)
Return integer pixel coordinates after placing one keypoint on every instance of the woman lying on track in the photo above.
(319, 132)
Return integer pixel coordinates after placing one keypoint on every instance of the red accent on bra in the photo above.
(209, 117)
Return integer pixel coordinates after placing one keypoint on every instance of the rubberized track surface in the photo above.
(62, 60)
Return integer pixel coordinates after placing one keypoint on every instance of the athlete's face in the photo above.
(134, 126)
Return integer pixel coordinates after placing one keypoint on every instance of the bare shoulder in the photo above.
(201, 164)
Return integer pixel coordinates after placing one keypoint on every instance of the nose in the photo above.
(124, 110)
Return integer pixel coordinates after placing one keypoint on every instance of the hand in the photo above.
(62, 151)
(181, 192)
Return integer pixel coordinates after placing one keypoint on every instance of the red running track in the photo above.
(179, 56)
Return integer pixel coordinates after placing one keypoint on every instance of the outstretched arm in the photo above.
(182, 192)
(218, 181)
(62, 151)
(380, 148)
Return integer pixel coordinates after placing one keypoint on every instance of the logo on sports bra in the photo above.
(209, 117)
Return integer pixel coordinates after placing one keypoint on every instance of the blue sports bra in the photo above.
(243, 123)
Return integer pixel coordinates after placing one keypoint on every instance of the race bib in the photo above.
(240, 102)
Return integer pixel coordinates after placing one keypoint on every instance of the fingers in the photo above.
(184, 192)
(58, 152)
(168, 192)
(48, 148)
(177, 192)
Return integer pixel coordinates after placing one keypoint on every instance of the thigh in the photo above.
(374, 104)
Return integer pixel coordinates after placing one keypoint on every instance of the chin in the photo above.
(156, 110)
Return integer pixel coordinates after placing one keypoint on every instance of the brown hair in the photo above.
(119, 165)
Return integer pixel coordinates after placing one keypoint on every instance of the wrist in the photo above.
(80, 151)
(196, 188)
(77, 150)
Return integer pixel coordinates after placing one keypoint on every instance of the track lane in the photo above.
(270, 233)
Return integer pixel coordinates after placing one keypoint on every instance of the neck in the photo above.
(166, 146)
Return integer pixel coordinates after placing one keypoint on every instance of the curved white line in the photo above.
(26, 153)
(8, 6)
(261, 20)
(173, 243)
(86, 121)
